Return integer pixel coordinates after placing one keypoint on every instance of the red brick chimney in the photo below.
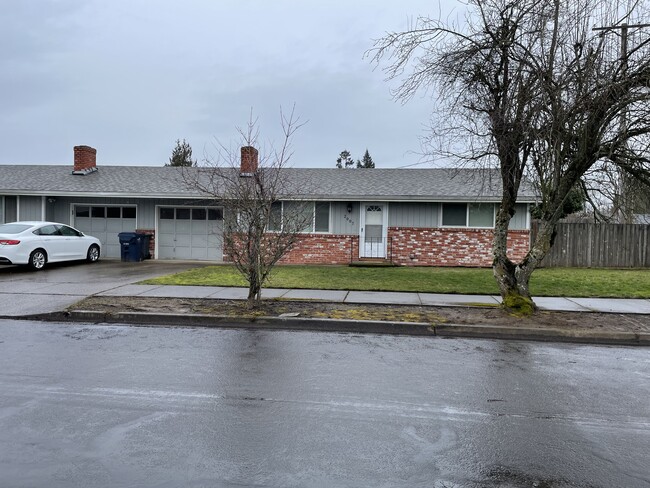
(248, 160)
(85, 159)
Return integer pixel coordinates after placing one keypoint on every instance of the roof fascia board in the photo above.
(377, 198)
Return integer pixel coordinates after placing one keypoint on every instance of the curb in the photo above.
(351, 326)
(546, 334)
(229, 322)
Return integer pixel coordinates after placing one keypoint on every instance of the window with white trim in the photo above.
(476, 215)
(312, 216)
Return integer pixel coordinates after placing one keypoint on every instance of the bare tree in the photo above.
(264, 213)
(528, 87)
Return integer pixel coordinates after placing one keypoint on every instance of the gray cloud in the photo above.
(131, 77)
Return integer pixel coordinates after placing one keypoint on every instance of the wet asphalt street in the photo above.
(119, 406)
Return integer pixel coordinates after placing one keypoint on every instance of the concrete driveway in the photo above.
(25, 292)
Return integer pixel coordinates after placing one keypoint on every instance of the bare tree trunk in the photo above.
(514, 279)
(254, 283)
(254, 293)
(513, 285)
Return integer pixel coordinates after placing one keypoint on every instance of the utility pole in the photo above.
(626, 206)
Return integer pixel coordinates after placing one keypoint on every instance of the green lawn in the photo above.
(575, 282)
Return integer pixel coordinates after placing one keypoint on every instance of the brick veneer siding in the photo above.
(451, 247)
(323, 249)
(410, 246)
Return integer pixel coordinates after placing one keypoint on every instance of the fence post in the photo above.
(590, 244)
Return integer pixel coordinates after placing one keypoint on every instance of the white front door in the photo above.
(373, 230)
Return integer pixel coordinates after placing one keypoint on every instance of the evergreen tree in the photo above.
(181, 155)
(344, 160)
(366, 162)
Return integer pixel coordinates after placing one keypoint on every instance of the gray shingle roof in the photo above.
(423, 184)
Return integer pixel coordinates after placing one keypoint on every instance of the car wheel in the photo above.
(37, 259)
(93, 254)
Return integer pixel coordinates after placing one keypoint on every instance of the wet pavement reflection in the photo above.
(97, 405)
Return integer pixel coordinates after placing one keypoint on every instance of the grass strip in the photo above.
(575, 282)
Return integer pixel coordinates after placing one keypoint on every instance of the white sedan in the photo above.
(38, 243)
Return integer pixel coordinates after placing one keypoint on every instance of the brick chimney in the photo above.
(248, 161)
(85, 160)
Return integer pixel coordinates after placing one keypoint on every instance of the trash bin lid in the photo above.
(126, 236)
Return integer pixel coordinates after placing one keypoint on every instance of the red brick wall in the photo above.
(412, 246)
(323, 249)
(451, 247)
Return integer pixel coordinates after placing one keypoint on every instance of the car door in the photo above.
(52, 241)
(74, 246)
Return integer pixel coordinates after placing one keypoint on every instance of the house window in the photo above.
(309, 216)
(454, 214)
(322, 217)
(113, 212)
(480, 215)
(275, 217)
(128, 212)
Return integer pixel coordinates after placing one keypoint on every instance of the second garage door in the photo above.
(190, 233)
(105, 223)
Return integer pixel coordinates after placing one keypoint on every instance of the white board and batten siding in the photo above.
(428, 215)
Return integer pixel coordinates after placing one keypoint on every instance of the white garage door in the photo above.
(105, 223)
(190, 233)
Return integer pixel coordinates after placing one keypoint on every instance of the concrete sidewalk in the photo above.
(559, 304)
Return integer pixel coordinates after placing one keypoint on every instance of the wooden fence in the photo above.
(582, 245)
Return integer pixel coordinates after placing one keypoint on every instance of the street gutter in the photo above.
(585, 336)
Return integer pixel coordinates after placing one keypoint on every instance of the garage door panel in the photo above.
(112, 250)
(199, 241)
(183, 253)
(82, 222)
(200, 254)
(98, 224)
(183, 227)
(199, 227)
(166, 226)
(189, 238)
(166, 240)
(105, 229)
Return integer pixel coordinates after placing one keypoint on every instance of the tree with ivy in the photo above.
(181, 155)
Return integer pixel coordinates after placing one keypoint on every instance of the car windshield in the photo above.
(13, 228)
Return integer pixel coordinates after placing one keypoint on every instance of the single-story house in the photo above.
(425, 216)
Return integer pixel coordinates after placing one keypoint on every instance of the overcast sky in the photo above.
(129, 77)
